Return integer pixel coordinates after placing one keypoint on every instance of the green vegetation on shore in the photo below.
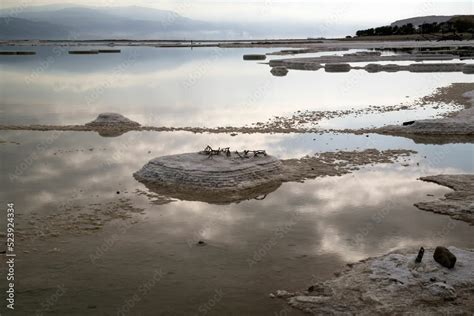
(455, 25)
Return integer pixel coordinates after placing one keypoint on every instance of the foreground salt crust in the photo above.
(393, 284)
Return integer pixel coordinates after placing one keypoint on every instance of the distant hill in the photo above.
(419, 20)
(15, 28)
(54, 22)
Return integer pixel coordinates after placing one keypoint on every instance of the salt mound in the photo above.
(198, 176)
(112, 120)
(337, 67)
(255, 57)
(279, 71)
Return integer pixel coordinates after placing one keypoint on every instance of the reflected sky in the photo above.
(183, 87)
(327, 222)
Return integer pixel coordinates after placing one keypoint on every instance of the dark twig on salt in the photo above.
(244, 154)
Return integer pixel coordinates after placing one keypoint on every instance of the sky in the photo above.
(327, 11)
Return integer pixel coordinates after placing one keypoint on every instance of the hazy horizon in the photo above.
(343, 12)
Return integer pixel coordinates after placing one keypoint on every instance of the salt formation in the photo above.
(279, 71)
(461, 123)
(222, 176)
(458, 204)
(112, 124)
(393, 284)
(213, 175)
(112, 120)
(255, 57)
(337, 67)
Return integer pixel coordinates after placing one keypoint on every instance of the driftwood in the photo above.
(210, 152)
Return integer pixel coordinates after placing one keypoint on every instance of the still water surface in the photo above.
(298, 233)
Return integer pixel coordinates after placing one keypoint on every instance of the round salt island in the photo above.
(220, 178)
(112, 120)
(112, 124)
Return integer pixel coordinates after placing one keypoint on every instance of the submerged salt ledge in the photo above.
(393, 284)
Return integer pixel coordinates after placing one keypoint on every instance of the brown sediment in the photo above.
(458, 204)
(452, 94)
(75, 218)
(392, 284)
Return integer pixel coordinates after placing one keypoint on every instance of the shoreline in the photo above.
(262, 43)
(457, 123)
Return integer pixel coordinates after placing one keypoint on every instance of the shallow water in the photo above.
(183, 87)
(297, 233)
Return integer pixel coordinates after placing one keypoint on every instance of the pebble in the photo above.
(444, 257)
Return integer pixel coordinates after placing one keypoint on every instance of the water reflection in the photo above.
(178, 87)
(333, 220)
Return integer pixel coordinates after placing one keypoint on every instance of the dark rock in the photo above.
(201, 243)
(408, 123)
(311, 288)
(444, 257)
(420, 255)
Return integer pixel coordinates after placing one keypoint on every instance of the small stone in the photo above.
(444, 257)
(118, 192)
(201, 243)
(311, 288)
